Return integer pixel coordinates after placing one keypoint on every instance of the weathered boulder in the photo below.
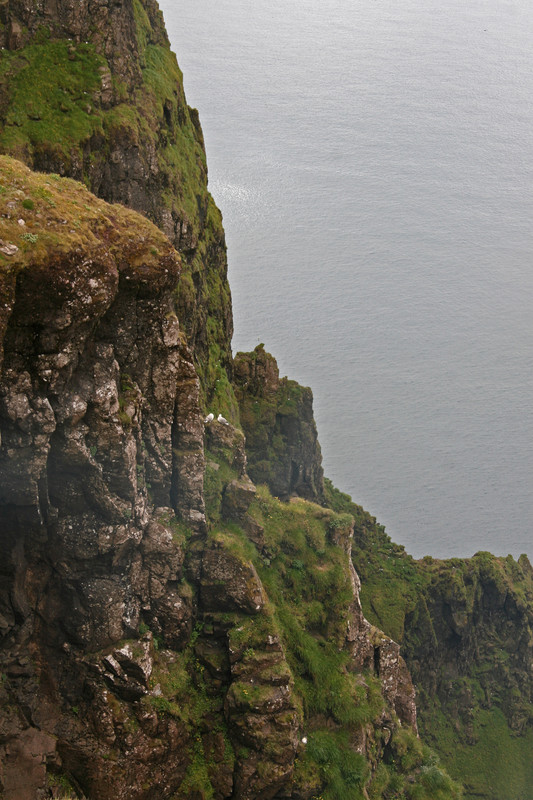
(229, 582)
(238, 495)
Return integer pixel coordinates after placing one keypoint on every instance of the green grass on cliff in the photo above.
(465, 628)
(42, 215)
(307, 579)
(306, 570)
(63, 110)
(50, 87)
(391, 581)
(203, 293)
(495, 765)
(51, 109)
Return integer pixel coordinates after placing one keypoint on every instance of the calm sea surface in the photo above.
(374, 164)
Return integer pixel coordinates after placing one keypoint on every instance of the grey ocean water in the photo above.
(374, 164)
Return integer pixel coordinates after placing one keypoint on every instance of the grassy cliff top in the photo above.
(44, 214)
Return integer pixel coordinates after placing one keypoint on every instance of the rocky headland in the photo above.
(188, 609)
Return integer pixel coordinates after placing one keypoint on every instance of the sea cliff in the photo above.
(181, 610)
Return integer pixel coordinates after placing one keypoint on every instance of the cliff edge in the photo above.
(180, 615)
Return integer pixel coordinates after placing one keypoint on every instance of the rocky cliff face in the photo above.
(168, 630)
(469, 644)
(281, 436)
(102, 440)
(92, 91)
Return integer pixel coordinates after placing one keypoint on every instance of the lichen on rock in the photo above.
(93, 370)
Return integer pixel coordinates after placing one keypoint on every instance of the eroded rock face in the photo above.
(89, 422)
(473, 612)
(101, 446)
(370, 649)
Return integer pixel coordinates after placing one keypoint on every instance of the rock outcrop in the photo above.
(277, 420)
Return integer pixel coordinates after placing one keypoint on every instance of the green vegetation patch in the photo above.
(63, 109)
(203, 302)
(342, 772)
(217, 475)
(185, 694)
(50, 105)
(494, 764)
(44, 215)
(307, 572)
(465, 626)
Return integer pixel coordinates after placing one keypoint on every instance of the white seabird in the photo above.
(209, 418)
(221, 419)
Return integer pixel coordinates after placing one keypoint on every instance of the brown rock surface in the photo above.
(93, 371)
(277, 419)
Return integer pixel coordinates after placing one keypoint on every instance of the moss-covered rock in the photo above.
(93, 368)
(92, 91)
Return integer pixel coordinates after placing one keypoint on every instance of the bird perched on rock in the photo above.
(221, 419)
(209, 418)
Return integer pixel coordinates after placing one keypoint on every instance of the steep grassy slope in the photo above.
(466, 629)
